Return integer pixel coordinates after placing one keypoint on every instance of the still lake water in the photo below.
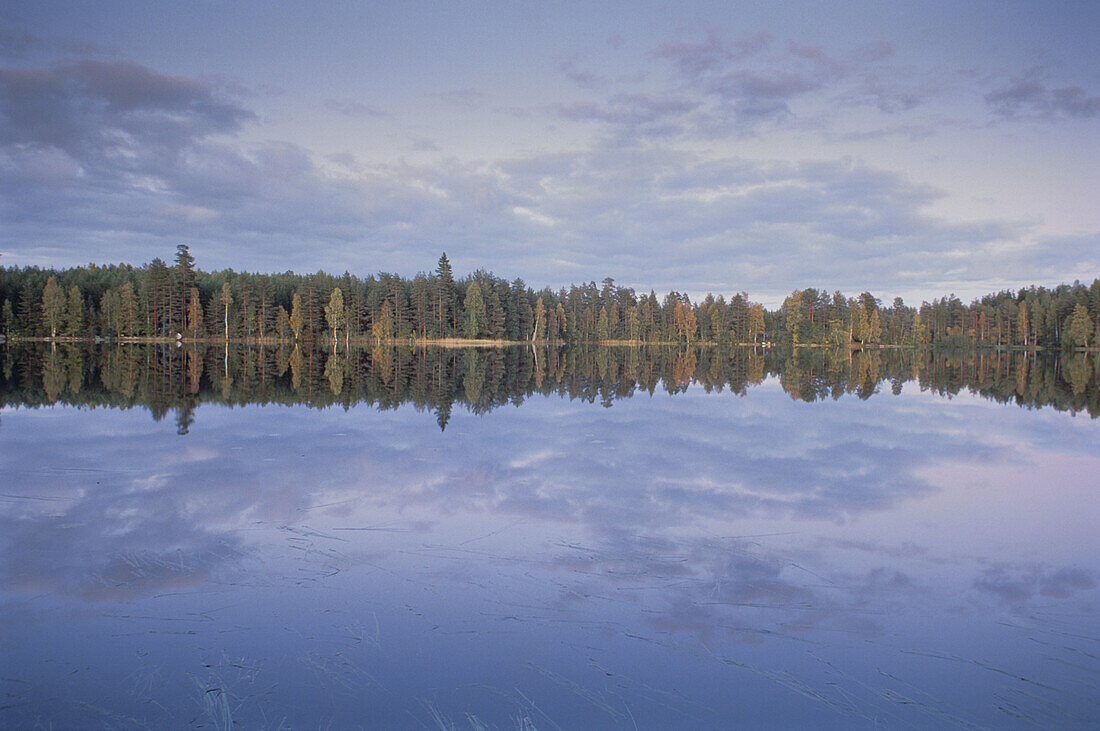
(704, 558)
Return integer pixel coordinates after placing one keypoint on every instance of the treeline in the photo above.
(1065, 317)
(178, 300)
(166, 379)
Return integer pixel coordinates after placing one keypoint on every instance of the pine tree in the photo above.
(183, 279)
(225, 301)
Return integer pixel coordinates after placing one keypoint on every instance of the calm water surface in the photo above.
(688, 560)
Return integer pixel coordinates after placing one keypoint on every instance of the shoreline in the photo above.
(488, 343)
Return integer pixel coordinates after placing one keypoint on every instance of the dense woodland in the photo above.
(167, 378)
(162, 301)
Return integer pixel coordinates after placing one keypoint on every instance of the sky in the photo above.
(909, 149)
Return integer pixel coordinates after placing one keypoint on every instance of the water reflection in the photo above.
(166, 379)
(698, 560)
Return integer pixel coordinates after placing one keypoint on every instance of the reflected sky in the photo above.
(693, 560)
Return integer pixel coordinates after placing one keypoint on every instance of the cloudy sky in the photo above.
(911, 149)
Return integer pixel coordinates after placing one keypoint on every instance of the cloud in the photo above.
(1020, 585)
(741, 86)
(425, 145)
(630, 212)
(746, 80)
(110, 154)
(354, 109)
(703, 223)
(110, 111)
(118, 160)
(468, 98)
(1027, 96)
(17, 44)
(570, 68)
(634, 115)
(696, 59)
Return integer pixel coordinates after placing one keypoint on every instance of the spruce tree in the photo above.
(443, 298)
(475, 311)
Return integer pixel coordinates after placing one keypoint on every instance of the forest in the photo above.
(180, 301)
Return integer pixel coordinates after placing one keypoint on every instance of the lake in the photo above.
(548, 538)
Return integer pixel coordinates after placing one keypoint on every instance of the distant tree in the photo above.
(632, 324)
(792, 314)
(538, 331)
(399, 304)
(129, 316)
(874, 328)
(156, 299)
(27, 312)
(1077, 328)
(420, 305)
(756, 322)
(684, 321)
(474, 306)
(494, 313)
(184, 278)
(7, 317)
(194, 314)
(334, 313)
(1023, 325)
(836, 333)
(74, 312)
(265, 306)
(443, 297)
(603, 331)
(282, 322)
(384, 324)
(296, 319)
(53, 306)
(225, 301)
(108, 312)
(557, 331)
(523, 313)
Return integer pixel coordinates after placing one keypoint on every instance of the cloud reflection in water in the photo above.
(683, 536)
